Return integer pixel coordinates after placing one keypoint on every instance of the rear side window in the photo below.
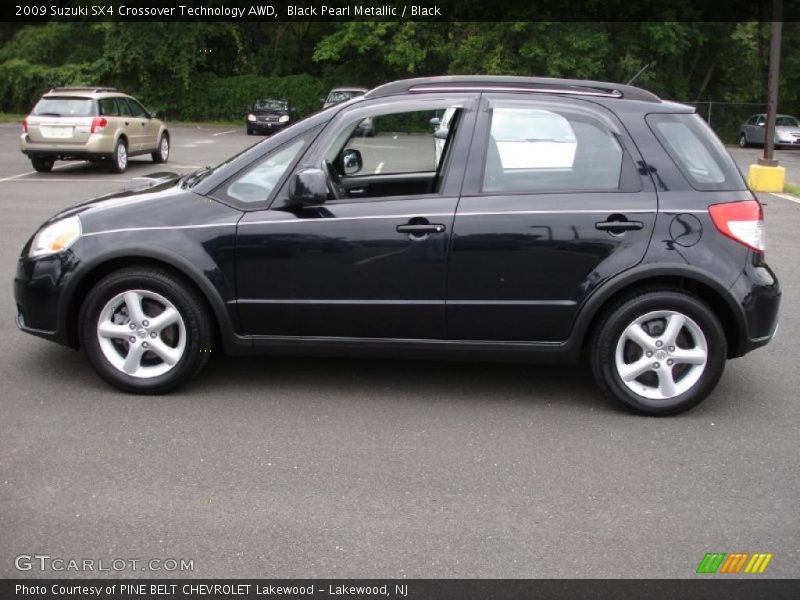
(64, 107)
(108, 107)
(697, 152)
(543, 149)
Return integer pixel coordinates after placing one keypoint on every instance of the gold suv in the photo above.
(91, 123)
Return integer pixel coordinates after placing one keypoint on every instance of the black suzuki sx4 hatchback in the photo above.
(488, 218)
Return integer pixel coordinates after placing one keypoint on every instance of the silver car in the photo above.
(754, 131)
(96, 124)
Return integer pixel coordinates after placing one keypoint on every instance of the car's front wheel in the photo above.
(42, 164)
(743, 141)
(119, 161)
(161, 155)
(145, 331)
(659, 352)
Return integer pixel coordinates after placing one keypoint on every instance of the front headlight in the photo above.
(284, 119)
(251, 118)
(56, 237)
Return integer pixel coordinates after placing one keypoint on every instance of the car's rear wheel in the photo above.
(743, 141)
(161, 155)
(43, 164)
(145, 331)
(659, 352)
(119, 162)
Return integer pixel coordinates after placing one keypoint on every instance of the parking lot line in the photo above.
(788, 197)
(224, 132)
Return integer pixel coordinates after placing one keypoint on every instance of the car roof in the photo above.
(84, 92)
(350, 89)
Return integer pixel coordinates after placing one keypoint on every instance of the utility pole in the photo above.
(767, 175)
(772, 86)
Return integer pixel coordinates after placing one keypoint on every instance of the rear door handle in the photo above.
(619, 226)
(421, 229)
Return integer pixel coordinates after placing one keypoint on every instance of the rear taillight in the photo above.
(24, 124)
(98, 123)
(740, 221)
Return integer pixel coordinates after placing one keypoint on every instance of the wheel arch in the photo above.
(686, 279)
(79, 289)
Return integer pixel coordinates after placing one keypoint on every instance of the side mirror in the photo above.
(352, 161)
(762, 124)
(435, 121)
(441, 133)
(308, 186)
(152, 114)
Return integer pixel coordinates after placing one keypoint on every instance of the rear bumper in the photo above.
(759, 294)
(97, 146)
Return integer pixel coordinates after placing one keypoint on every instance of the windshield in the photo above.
(343, 95)
(269, 104)
(786, 122)
(64, 107)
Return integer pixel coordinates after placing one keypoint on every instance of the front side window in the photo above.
(543, 149)
(258, 183)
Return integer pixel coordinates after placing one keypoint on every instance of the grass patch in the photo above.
(791, 188)
(10, 117)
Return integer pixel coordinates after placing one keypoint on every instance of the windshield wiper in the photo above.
(195, 176)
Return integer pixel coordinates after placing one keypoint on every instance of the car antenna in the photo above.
(642, 70)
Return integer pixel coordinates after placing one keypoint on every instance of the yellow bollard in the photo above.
(761, 178)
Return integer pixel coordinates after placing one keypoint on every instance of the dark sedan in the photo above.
(269, 115)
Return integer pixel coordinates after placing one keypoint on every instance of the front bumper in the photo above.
(39, 291)
(266, 126)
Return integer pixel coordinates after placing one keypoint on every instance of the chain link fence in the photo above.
(726, 118)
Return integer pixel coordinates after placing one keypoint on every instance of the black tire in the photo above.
(249, 131)
(627, 311)
(117, 164)
(161, 155)
(191, 307)
(743, 141)
(43, 164)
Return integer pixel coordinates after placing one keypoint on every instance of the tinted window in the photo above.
(129, 107)
(266, 104)
(342, 96)
(786, 122)
(258, 183)
(533, 150)
(108, 107)
(64, 107)
(697, 151)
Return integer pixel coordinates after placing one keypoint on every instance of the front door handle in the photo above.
(421, 228)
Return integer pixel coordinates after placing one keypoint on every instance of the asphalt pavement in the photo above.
(295, 467)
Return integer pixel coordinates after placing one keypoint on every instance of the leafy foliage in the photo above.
(200, 70)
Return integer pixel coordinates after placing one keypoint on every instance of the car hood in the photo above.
(788, 129)
(162, 202)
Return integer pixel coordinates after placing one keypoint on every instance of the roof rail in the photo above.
(490, 83)
(92, 89)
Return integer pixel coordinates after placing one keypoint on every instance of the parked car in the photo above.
(754, 131)
(638, 242)
(342, 94)
(91, 123)
(269, 115)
